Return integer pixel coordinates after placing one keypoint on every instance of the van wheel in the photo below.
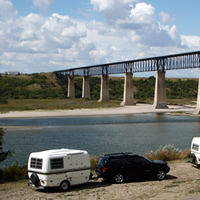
(64, 186)
(160, 175)
(119, 178)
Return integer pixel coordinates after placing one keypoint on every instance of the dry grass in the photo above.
(168, 153)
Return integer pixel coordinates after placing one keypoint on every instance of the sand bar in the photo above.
(125, 110)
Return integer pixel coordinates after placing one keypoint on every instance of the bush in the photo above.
(3, 154)
(94, 160)
(168, 153)
(13, 173)
(3, 100)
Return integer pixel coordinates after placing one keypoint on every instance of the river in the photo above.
(137, 133)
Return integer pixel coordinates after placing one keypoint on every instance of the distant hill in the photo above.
(47, 85)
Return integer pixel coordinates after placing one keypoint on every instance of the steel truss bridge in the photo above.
(161, 63)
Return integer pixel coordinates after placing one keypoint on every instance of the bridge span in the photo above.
(158, 64)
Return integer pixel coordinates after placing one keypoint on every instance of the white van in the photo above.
(195, 151)
(59, 167)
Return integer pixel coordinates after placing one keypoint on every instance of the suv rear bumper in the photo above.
(99, 174)
(108, 176)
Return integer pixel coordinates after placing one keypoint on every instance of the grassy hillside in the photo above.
(46, 91)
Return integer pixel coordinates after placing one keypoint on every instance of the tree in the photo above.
(3, 155)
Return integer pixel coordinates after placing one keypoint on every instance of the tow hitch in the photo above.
(92, 177)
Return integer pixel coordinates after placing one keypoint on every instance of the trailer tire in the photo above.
(193, 157)
(35, 179)
(64, 186)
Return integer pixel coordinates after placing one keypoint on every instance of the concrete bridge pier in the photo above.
(71, 87)
(128, 98)
(197, 109)
(160, 91)
(104, 93)
(86, 87)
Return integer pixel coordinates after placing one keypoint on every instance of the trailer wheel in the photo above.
(193, 157)
(64, 186)
(35, 179)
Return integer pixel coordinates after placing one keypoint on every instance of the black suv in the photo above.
(122, 166)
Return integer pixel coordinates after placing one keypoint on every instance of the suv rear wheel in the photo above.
(160, 175)
(119, 178)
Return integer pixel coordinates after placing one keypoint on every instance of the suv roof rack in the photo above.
(115, 154)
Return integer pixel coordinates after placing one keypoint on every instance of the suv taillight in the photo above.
(104, 169)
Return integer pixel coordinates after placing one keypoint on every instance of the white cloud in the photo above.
(7, 10)
(191, 41)
(43, 5)
(113, 9)
(166, 18)
(173, 33)
(142, 14)
(36, 43)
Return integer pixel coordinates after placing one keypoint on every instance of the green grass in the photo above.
(61, 104)
(53, 104)
(183, 101)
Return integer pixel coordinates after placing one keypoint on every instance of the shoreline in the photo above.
(125, 110)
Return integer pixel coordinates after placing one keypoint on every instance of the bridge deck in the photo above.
(161, 63)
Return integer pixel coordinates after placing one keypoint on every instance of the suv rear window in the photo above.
(116, 160)
(102, 161)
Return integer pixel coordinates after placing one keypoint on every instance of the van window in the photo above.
(57, 163)
(36, 163)
(195, 147)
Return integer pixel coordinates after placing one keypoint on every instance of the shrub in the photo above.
(168, 153)
(13, 173)
(3, 154)
(3, 100)
(94, 160)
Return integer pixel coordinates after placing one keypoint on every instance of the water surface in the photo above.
(99, 134)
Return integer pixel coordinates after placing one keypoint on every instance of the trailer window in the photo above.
(195, 147)
(57, 163)
(36, 163)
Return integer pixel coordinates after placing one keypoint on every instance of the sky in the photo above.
(48, 35)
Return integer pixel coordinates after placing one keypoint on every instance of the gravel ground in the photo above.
(182, 182)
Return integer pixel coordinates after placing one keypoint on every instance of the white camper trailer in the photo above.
(59, 167)
(195, 151)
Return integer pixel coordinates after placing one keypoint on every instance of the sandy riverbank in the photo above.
(181, 183)
(138, 109)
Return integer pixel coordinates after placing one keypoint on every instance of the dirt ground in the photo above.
(182, 182)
